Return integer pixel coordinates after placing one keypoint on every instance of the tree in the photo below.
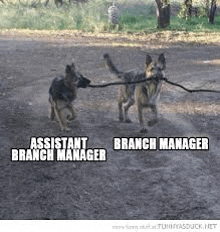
(163, 13)
(188, 5)
(212, 11)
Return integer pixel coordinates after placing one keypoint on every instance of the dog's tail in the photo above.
(111, 66)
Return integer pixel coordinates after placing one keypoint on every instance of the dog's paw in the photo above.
(65, 129)
(152, 122)
(143, 130)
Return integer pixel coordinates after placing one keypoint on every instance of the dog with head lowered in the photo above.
(62, 92)
(145, 94)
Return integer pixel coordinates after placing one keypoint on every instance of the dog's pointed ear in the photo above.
(148, 60)
(162, 60)
(73, 66)
(106, 56)
(68, 69)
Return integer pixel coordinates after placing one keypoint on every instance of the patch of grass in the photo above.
(195, 24)
(138, 23)
(136, 17)
(88, 17)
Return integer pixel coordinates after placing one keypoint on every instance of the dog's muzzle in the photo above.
(83, 82)
(158, 77)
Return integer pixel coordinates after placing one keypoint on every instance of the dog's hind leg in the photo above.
(121, 117)
(52, 113)
(127, 105)
(72, 114)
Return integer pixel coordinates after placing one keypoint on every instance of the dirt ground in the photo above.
(131, 184)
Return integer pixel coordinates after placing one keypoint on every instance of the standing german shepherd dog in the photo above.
(62, 92)
(146, 94)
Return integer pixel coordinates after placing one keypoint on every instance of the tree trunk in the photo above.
(207, 7)
(212, 11)
(46, 3)
(188, 4)
(163, 14)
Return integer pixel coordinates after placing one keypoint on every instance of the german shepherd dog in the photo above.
(145, 94)
(62, 92)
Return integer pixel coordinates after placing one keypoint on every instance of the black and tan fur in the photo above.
(145, 94)
(62, 92)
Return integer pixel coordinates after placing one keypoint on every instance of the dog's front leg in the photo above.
(61, 118)
(155, 112)
(140, 115)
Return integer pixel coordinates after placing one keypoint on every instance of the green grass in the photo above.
(83, 17)
(196, 24)
(92, 17)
